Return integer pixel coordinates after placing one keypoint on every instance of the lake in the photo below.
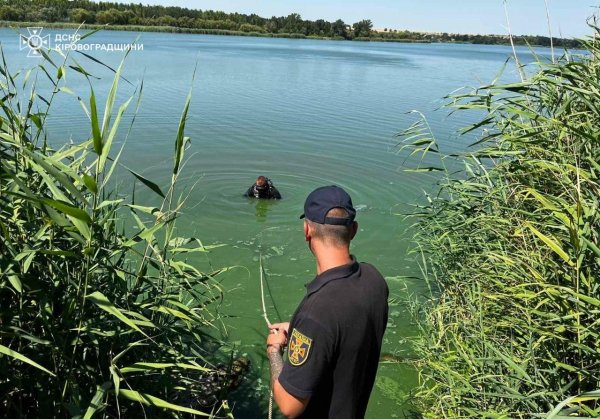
(305, 113)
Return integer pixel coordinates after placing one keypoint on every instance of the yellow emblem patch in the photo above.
(299, 347)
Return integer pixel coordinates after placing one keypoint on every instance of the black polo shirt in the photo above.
(334, 341)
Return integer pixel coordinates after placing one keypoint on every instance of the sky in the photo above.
(568, 17)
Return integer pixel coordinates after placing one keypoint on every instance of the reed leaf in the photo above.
(13, 354)
(155, 401)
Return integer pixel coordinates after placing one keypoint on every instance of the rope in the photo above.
(264, 309)
(271, 405)
(262, 293)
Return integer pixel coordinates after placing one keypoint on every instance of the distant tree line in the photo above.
(79, 11)
(390, 34)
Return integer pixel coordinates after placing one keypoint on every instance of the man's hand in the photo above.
(289, 405)
(278, 335)
(280, 326)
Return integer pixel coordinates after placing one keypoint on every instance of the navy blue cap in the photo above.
(320, 201)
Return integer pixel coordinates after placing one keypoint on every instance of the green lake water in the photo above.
(304, 113)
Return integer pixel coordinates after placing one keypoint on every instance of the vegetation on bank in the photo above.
(97, 317)
(177, 19)
(511, 246)
(157, 29)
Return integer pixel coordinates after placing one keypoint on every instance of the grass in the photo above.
(510, 246)
(95, 320)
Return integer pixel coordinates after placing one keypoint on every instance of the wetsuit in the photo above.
(267, 191)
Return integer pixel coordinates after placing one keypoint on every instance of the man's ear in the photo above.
(354, 229)
(306, 231)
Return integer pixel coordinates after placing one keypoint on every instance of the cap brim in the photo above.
(302, 216)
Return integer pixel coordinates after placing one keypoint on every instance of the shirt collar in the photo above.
(338, 272)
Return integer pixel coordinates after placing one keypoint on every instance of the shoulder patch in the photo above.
(299, 348)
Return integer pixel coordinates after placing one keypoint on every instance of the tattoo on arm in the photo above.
(276, 362)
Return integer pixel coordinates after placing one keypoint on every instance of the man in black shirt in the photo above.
(334, 338)
(263, 189)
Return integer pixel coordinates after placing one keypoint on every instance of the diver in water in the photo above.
(263, 189)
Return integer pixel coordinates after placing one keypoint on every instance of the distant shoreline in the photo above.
(224, 32)
(193, 31)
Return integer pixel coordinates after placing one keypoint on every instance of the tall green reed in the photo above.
(95, 320)
(511, 247)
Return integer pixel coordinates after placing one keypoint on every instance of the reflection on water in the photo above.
(262, 207)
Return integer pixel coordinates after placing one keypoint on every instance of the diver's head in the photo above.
(261, 182)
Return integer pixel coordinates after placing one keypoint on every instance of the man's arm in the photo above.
(249, 192)
(290, 406)
(275, 193)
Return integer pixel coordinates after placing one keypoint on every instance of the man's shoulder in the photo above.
(372, 274)
(366, 282)
(370, 269)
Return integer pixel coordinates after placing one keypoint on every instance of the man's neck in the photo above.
(331, 257)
